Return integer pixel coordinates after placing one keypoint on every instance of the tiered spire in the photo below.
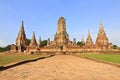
(39, 42)
(61, 37)
(33, 40)
(82, 40)
(89, 41)
(22, 28)
(74, 41)
(48, 42)
(61, 25)
(102, 39)
(21, 39)
(101, 30)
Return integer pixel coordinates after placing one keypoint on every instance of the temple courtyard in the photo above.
(62, 67)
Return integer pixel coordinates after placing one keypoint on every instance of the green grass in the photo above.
(106, 57)
(7, 59)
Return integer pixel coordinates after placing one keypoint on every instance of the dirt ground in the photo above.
(62, 67)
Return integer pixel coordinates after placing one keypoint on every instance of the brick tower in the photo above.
(21, 40)
(33, 42)
(102, 40)
(82, 40)
(61, 37)
(89, 42)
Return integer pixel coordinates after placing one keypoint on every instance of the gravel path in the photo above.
(62, 67)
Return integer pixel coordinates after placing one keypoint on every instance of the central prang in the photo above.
(61, 37)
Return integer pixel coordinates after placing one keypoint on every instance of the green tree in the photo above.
(28, 41)
(7, 48)
(115, 46)
(43, 43)
(80, 43)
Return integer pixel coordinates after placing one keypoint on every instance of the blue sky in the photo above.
(41, 16)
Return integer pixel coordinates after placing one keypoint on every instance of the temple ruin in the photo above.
(61, 42)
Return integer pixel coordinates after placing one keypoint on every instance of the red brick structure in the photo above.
(89, 42)
(61, 41)
(102, 40)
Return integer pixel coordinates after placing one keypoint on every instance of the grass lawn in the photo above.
(106, 57)
(7, 59)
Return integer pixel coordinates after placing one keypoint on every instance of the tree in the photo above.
(7, 48)
(80, 43)
(43, 43)
(28, 41)
(115, 46)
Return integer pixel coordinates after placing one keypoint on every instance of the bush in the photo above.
(43, 43)
(7, 48)
(80, 43)
(115, 47)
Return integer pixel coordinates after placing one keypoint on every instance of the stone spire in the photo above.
(102, 40)
(21, 39)
(39, 42)
(22, 28)
(89, 41)
(74, 41)
(101, 30)
(82, 40)
(48, 42)
(61, 37)
(33, 41)
(61, 25)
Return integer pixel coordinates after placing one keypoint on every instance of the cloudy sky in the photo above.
(41, 16)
